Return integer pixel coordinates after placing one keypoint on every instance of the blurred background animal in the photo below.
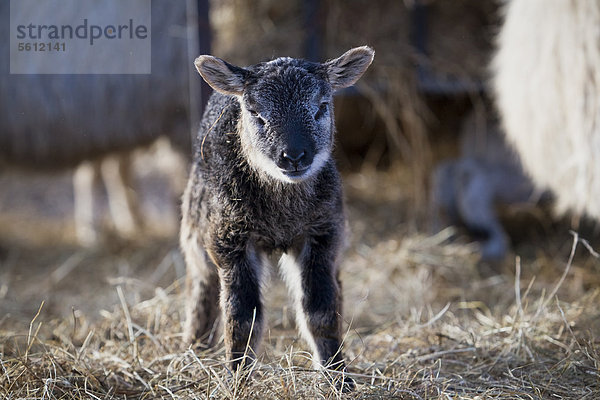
(94, 122)
(468, 191)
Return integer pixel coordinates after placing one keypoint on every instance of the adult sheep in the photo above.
(60, 121)
(547, 86)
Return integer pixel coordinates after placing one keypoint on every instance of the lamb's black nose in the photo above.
(294, 160)
(293, 157)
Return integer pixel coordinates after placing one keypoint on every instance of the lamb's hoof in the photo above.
(340, 381)
(345, 384)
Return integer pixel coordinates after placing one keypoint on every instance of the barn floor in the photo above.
(424, 319)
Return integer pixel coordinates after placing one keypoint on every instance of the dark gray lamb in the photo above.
(467, 191)
(263, 181)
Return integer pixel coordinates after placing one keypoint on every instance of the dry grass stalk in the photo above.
(538, 348)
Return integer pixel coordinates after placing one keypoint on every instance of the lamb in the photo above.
(547, 87)
(51, 122)
(263, 181)
(467, 190)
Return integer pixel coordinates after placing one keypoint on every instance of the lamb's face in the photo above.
(287, 122)
(286, 117)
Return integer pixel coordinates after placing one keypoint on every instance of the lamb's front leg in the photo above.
(240, 276)
(310, 272)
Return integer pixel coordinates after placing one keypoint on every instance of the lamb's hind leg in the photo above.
(201, 289)
(202, 295)
(202, 279)
(476, 206)
(310, 273)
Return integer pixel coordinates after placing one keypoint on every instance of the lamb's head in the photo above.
(286, 124)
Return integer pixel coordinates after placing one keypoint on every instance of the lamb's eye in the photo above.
(258, 118)
(322, 110)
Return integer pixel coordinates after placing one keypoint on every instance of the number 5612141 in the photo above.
(25, 46)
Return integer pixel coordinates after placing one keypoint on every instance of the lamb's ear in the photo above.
(345, 70)
(220, 75)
